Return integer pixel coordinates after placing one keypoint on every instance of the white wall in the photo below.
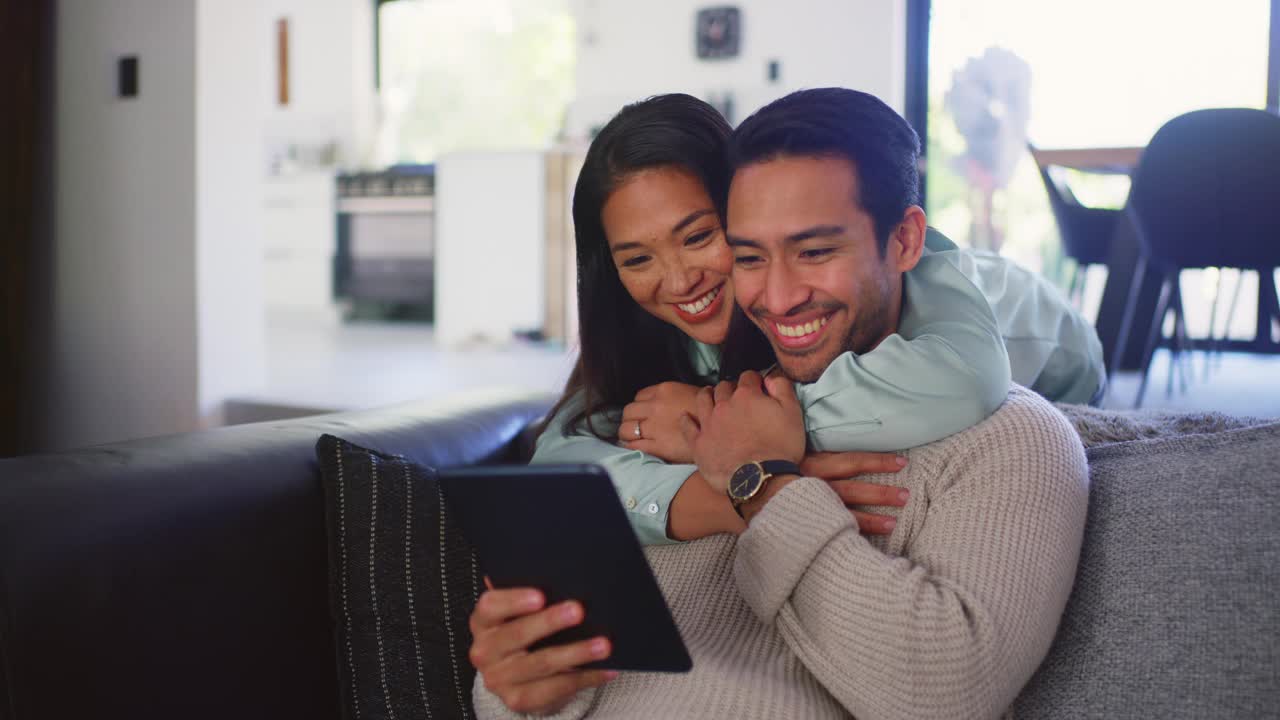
(123, 318)
(230, 321)
(629, 50)
(154, 319)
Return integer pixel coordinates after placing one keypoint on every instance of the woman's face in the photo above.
(667, 243)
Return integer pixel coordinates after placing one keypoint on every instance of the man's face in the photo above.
(807, 269)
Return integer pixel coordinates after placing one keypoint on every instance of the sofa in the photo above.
(186, 576)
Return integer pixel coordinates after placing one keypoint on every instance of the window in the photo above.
(471, 75)
(1092, 73)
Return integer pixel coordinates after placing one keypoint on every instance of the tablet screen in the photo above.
(562, 530)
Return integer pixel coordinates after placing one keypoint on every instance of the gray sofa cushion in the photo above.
(1103, 427)
(1176, 607)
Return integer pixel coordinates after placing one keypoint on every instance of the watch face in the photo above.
(745, 481)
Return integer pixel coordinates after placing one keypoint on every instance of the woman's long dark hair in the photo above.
(623, 347)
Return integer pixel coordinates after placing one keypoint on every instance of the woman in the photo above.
(655, 303)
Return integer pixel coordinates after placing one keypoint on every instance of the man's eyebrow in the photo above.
(735, 241)
(817, 231)
(688, 219)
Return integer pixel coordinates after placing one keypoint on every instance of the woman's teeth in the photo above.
(812, 326)
(700, 304)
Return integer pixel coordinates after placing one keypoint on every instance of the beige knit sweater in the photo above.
(802, 617)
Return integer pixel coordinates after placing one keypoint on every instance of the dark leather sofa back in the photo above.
(186, 576)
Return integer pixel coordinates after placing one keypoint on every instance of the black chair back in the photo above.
(1207, 191)
(1085, 231)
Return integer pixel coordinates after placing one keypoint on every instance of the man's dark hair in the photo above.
(838, 122)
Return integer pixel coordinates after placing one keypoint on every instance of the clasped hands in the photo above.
(755, 419)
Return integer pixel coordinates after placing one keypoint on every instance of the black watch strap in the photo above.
(781, 467)
(771, 469)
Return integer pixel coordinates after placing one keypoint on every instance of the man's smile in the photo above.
(798, 333)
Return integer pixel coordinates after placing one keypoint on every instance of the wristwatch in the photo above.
(748, 480)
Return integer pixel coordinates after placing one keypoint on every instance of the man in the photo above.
(800, 615)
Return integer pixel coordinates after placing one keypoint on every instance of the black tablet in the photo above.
(561, 529)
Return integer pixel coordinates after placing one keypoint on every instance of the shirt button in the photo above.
(653, 508)
(631, 503)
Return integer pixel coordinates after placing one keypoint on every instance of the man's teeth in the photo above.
(812, 326)
(700, 304)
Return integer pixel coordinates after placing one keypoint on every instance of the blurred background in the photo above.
(224, 211)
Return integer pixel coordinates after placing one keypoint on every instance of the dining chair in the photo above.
(1085, 231)
(1205, 195)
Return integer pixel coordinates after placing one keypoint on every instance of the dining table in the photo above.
(1122, 262)
(1122, 257)
(1109, 160)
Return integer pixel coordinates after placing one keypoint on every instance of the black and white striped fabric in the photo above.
(402, 584)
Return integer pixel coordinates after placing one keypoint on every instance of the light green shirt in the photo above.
(1052, 348)
(945, 370)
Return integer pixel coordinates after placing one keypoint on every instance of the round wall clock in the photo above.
(718, 32)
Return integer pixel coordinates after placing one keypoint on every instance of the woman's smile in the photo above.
(703, 308)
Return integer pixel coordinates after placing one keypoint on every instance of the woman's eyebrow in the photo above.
(688, 219)
(622, 247)
(684, 223)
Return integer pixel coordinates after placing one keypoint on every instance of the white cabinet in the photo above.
(299, 242)
(504, 246)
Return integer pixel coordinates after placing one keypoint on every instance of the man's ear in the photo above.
(906, 242)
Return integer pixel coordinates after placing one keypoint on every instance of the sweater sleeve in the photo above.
(955, 627)
(945, 370)
(490, 707)
(646, 485)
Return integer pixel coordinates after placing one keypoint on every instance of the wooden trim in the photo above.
(282, 62)
(1118, 160)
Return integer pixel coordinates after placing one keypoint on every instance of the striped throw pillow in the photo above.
(402, 585)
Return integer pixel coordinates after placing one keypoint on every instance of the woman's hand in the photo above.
(503, 626)
(838, 469)
(656, 411)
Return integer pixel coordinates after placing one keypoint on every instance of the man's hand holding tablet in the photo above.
(571, 598)
(505, 623)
